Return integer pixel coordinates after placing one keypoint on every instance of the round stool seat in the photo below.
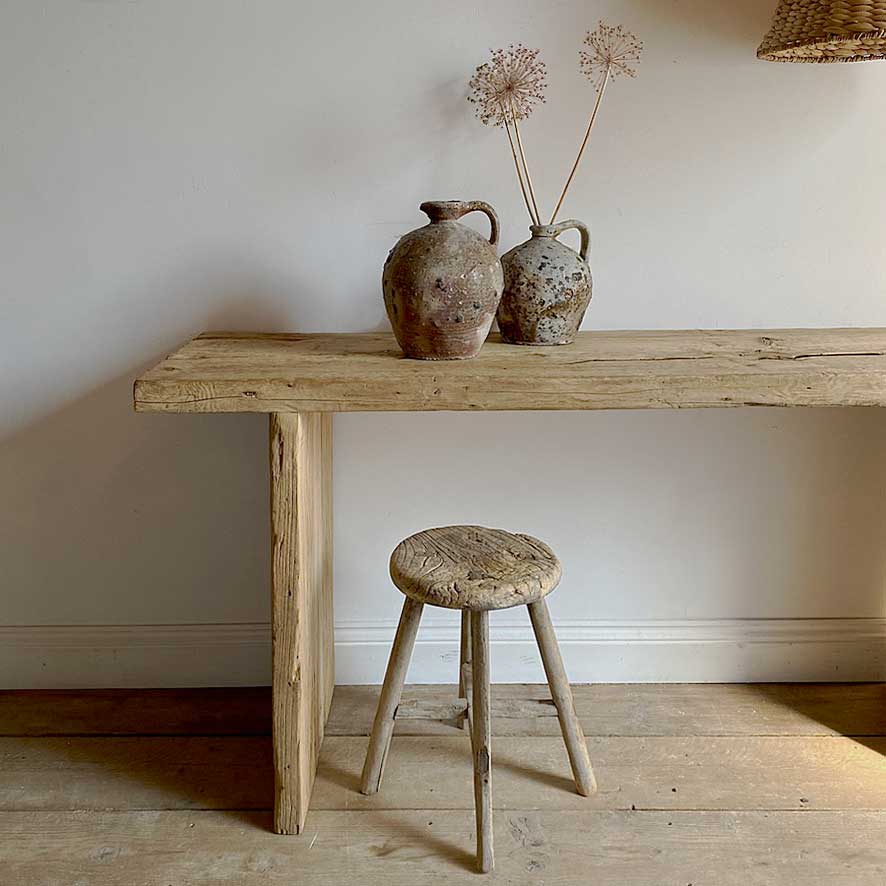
(471, 567)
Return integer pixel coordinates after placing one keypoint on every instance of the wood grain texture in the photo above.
(455, 709)
(464, 651)
(242, 372)
(715, 709)
(467, 680)
(435, 772)
(648, 709)
(474, 568)
(395, 675)
(764, 773)
(426, 848)
(301, 579)
(570, 725)
(673, 808)
(464, 664)
(481, 739)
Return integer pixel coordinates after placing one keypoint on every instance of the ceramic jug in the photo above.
(547, 287)
(442, 283)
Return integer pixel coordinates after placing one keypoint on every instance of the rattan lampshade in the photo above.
(826, 31)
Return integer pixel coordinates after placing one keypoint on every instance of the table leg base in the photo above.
(301, 590)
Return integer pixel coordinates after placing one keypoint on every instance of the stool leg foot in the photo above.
(573, 736)
(395, 676)
(464, 660)
(481, 728)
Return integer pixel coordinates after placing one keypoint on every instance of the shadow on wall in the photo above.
(109, 516)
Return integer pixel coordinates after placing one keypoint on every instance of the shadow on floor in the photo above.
(861, 715)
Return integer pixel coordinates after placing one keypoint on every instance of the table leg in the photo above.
(301, 589)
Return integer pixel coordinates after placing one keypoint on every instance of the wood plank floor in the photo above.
(700, 785)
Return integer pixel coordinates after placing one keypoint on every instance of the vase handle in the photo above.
(481, 206)
(574, 225)
(452, 210)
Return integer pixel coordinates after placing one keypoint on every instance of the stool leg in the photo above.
(481, 729)
(464, 659)
(562, 695)
(395, 676)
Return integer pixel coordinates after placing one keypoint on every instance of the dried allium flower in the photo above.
(509, 86)
(611, 52)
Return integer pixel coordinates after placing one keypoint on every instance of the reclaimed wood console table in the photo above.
(300, 380)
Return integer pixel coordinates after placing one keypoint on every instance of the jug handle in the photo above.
(573, 225)
(481, 206)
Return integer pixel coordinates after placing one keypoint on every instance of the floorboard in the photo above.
(136, 712)
(605, 709)
(657, 709)
(434, 772)
(418, 847)
(758, 785)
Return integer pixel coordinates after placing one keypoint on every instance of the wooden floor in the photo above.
(699, 786)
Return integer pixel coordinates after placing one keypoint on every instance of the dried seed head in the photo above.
(611, 52)
(509, 86)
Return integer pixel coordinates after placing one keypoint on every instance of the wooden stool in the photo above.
(475, 570)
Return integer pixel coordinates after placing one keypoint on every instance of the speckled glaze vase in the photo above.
(442, 284)
(547, 287)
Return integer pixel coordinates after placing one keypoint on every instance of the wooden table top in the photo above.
(348, 372)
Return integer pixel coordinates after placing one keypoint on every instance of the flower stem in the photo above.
(584, 143)
(532, 218)
(525, 167)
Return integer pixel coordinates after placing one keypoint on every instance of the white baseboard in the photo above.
(687, 650)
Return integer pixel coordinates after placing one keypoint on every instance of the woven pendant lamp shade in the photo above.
(826, 31)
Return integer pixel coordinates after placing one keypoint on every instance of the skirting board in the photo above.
(678, 651)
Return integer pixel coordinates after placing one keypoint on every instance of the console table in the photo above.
(300, 380)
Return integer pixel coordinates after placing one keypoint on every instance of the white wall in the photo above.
(178, 165)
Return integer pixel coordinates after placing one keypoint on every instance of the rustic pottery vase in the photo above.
(442, 284)
(547, 287)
